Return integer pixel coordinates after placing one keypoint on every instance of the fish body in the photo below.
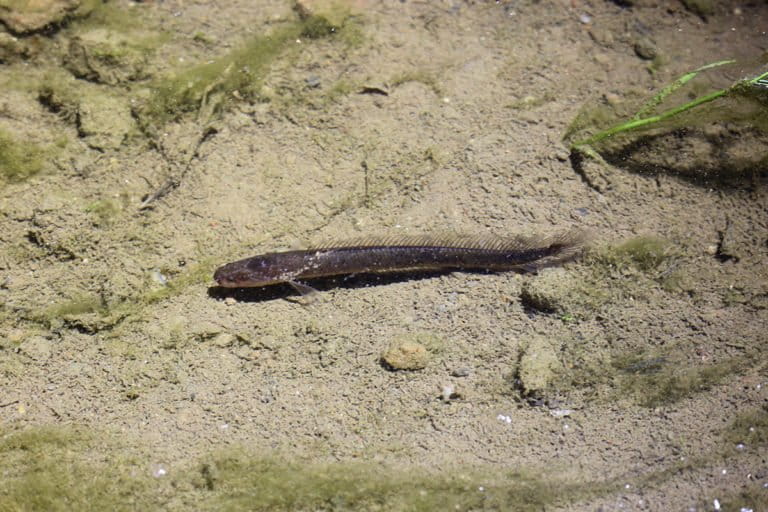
(402, 254)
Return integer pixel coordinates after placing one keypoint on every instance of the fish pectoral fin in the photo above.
(303, 289)
(308, 294)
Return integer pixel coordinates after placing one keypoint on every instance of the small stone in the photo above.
(205, 330)
(33, 15)
(702, 8)
(727, 249)
(224, 339)
(333, 13)
(645, 48)
(602, 36)
(562, 154)
(539, 365)
(549, 292)
(13, 49)
(246, 353)
(403, 354)
(602, 59)
(448, 393)
(105, 56)
(462, 371)
(613, 99)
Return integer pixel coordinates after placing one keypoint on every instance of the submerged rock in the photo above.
(34, 15)
(539, 365)
(403, 354)
(106, 56)
(411, 352)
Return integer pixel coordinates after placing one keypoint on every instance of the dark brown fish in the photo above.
(403, 254)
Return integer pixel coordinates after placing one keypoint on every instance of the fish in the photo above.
(403, 254)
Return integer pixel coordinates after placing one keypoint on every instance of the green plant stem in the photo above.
(636, 123)
(657, 99)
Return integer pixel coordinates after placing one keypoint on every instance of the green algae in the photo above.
(61, 468)
(751, 496)
(110, 15)
(651, 377)
(749, 428)
(638, 269)
(68, 468)
(237, 76)
(611, 273)
(19, 160)
(211, 86)
(646, 253)
(106, 211)
(664, 384)
(85, 312)
(243, 482)
(746, 435)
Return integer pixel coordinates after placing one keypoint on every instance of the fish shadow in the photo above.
(323, 284)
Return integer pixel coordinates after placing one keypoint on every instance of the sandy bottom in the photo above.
(632, 379)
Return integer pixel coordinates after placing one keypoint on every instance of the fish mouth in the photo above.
(221, 279)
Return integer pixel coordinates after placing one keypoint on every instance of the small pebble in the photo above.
(581, 212)
(448, 392)
(224, 339)
(645, 48)
(230, 301)
(406, 355)
(462, 371)
(158, 277)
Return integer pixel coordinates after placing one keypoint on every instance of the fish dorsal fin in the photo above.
(568, 240)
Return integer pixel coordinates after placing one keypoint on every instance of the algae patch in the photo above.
(659, 383)
(53, 468)
(238, 480)
(208, 88)
(645, 252)
(749, 429)
(18, 160)
(66, 468)
(612, 274)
